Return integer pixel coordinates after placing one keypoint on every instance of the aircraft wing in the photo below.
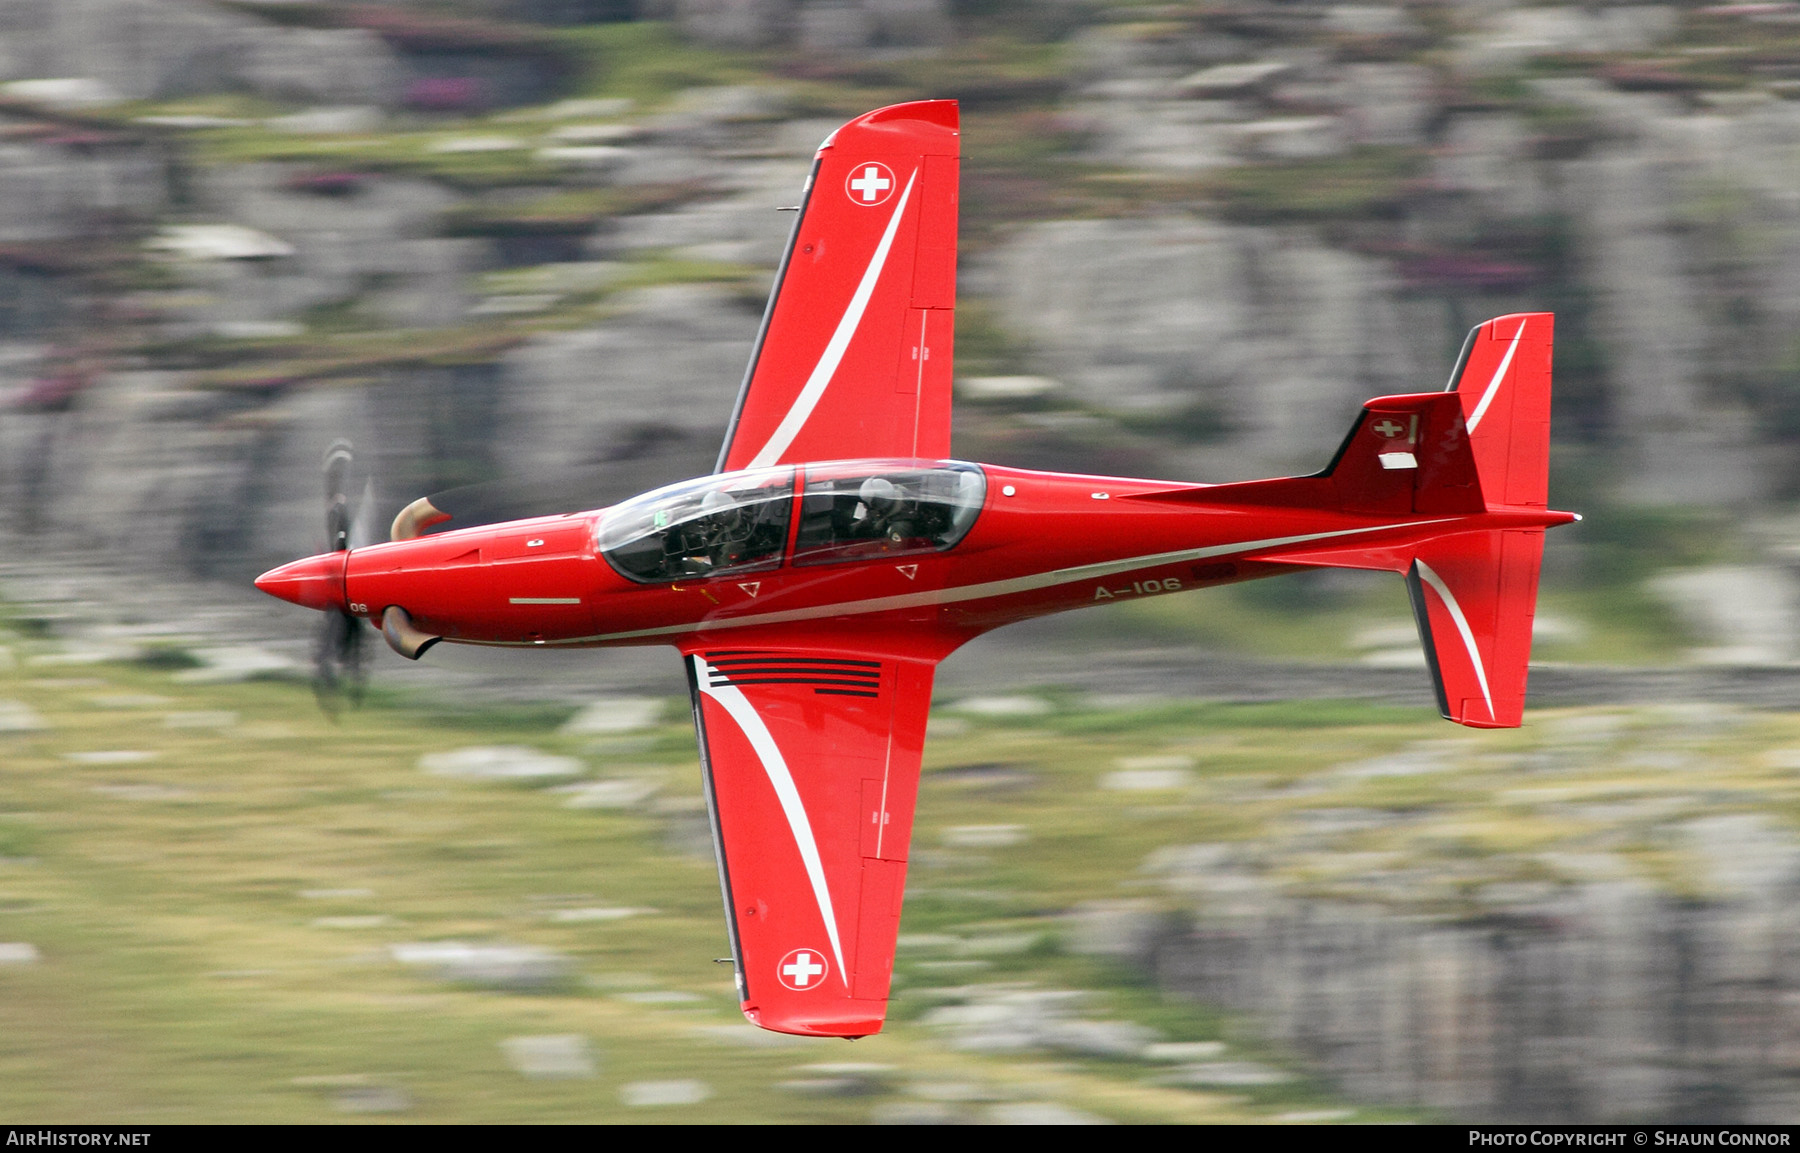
(811, 761)
(855, 353)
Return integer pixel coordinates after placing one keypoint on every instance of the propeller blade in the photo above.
(337, 498)
(364, 528)
(339, 662)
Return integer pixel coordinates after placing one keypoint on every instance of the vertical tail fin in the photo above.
(1475, 594)
(1503, 378)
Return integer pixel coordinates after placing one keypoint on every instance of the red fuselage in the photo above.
(1037, 543)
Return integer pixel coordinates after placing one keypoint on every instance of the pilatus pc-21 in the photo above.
(815, 580)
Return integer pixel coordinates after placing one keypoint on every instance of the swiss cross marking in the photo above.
(870, 183)
(803, 969)
(1388, 427)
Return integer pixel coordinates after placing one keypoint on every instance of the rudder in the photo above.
(1503, 377)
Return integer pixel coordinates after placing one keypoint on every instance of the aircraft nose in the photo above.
(316, 582)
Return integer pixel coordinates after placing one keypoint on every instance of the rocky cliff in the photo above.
(491, 239)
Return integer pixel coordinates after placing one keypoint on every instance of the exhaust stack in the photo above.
(402, 637)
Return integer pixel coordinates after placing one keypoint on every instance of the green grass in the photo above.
(214, 922)
(397, 149)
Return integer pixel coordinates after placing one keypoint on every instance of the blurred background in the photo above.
(1196, 858)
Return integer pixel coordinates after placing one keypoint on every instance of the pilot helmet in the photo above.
(878, 492)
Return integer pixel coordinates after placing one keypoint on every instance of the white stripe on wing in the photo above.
(775, 766)
(796, 417)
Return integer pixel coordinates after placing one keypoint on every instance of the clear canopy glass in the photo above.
(860, 509)
(733, 523)
(738, 522)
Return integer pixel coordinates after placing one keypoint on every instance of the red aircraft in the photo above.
(813, 583)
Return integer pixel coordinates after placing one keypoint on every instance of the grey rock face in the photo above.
(664, 373)
(1511, 34)
(338, 65)
(1487, 156)
(379, 240)
(1600, 1002)
(143, 48)
(1134, 127)
(153, 49)
(834, 27)
(910, 22)
(49, 192)
(1008, 1019)
(1662, 262)
(1282, 335)
(742, 23)
(1126, 930)
(1387, 103)
(1748, 612)
(818, 25)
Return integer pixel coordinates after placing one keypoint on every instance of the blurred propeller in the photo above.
(339, 663)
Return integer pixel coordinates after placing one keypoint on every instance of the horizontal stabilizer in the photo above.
(1474, 595)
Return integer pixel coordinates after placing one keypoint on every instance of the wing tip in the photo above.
(849, 1026)
(942, 113)
(931, 115)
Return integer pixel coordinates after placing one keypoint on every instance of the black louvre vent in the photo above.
(827, 676)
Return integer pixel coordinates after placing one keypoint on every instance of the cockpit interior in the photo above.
(739, 522)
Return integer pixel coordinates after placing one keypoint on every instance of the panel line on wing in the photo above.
(887, 768)
(768, 316)
(924, 354)
(775, 767)
(796, 417)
